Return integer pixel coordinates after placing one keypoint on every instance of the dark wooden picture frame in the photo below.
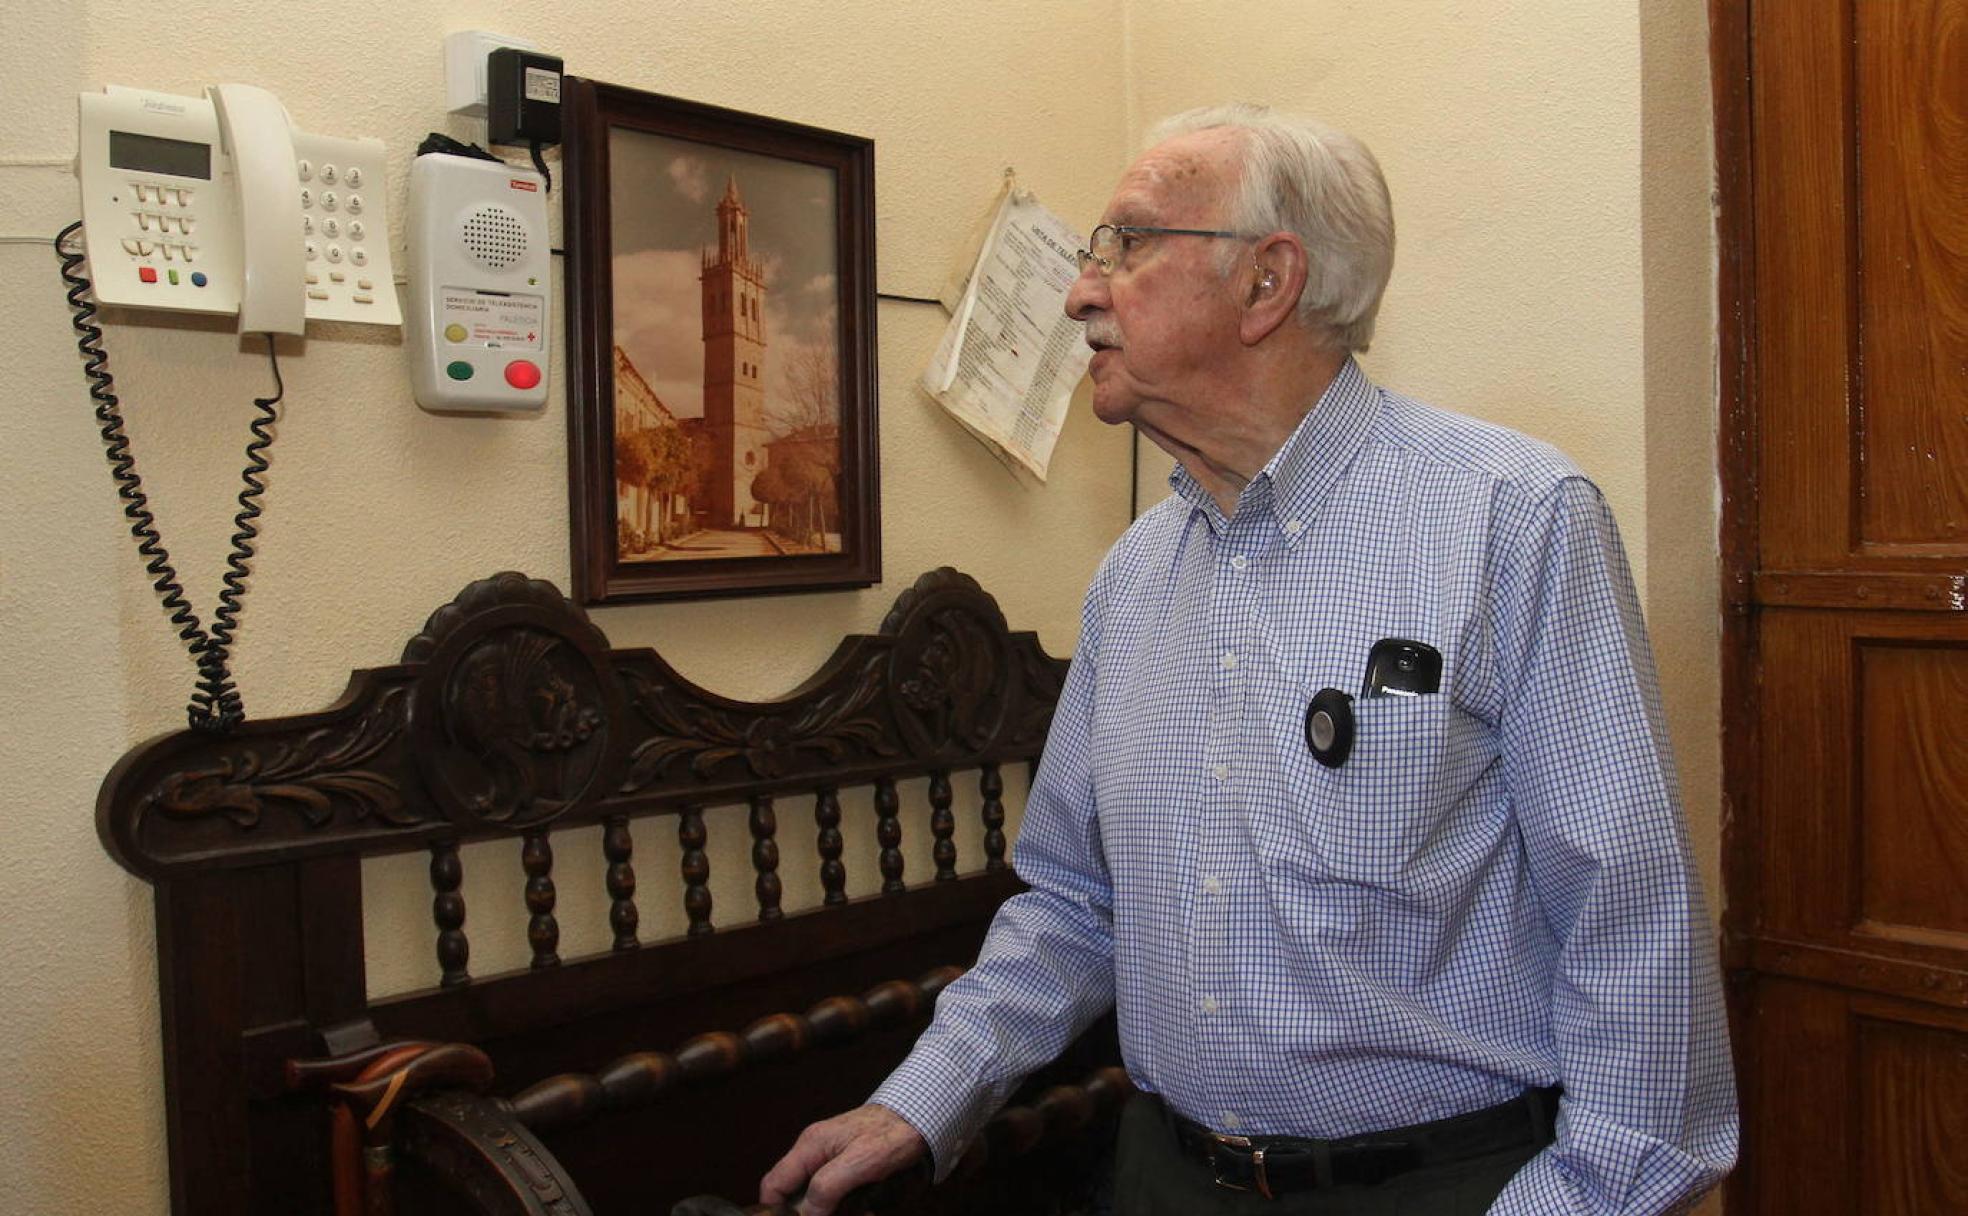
(680, 504)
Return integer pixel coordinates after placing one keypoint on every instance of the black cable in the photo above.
(437, 141)
(215, 680)
(214, 705)
(123, 466)
(540, 163)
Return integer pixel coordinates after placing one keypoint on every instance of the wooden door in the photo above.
(1842, 132)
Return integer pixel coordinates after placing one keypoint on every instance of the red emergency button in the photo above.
(522, 373)
(147, 274)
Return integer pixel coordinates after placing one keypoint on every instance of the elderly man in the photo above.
(1358, 804)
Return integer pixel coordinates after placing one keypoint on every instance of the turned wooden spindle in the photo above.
(942, 826)
(696, 870)
(833, 874)
(990, 783)
(888, 834)
(618, 846)
(765, 856)
(447, 873)
(635, 1080)
(543, 931)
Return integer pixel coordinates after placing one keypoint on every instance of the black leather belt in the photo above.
(1270, 1164)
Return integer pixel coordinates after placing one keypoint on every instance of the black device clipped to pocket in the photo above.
(1396, 667)
(1329, 727)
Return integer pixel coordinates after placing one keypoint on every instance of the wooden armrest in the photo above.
(470, 1147)
(1016, 1131)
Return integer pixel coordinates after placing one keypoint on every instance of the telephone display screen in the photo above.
(155, 154)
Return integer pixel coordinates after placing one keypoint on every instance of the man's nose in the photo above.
(1088, 293)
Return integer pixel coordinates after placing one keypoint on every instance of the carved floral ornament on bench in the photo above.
(509, 712)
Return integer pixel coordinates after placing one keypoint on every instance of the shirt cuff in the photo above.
(940, 1098)
(1600, 1168)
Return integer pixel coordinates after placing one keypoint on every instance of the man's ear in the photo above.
(1274, 281)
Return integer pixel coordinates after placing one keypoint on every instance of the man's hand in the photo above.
(837, 1155)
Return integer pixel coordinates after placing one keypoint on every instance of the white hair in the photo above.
(1324, 187)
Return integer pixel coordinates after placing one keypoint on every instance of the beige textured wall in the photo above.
(378, 512)
(1554, 276)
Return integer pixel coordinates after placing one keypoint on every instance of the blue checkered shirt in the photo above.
(1493, 892)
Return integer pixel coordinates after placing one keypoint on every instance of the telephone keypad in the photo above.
(166, 224)
(333, 235)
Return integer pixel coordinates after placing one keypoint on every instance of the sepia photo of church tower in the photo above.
(733, 285)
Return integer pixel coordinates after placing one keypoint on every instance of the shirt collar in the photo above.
(1298, 475)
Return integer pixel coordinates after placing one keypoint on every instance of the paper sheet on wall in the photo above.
(1011, 357)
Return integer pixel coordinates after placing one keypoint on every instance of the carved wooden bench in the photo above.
(633, 1078)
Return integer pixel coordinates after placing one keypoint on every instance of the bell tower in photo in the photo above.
(734, 350)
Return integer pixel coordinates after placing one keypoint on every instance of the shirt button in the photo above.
(1213, 885)
(1220, 771)
(1229, 660)
(1294, 526)
(1239, 562)
(1230, 1121)
(1209, 1004)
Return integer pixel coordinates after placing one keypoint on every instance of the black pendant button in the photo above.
(1329, 727)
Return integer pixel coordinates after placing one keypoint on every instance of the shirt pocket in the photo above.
(1378, 818)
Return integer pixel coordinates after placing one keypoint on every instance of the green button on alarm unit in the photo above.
(458, 370)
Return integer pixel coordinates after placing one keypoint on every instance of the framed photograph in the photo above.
(721, 351)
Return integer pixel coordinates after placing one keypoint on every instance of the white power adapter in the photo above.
(481, 299)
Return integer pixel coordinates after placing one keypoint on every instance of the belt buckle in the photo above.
(1263, 1183)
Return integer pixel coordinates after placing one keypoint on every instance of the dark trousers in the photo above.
(1154, 1177)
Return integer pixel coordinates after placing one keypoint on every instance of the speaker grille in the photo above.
(495, 237)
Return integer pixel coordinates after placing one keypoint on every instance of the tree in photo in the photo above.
(657, 460)
(805, 453)
(812, 397)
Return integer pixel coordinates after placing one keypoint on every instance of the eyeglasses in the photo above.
(1111, 242)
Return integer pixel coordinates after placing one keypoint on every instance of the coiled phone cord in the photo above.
(215, 705)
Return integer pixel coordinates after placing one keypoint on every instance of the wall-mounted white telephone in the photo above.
(218, 205)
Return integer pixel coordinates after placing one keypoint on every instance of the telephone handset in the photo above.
(218, 205)
(255, 135)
